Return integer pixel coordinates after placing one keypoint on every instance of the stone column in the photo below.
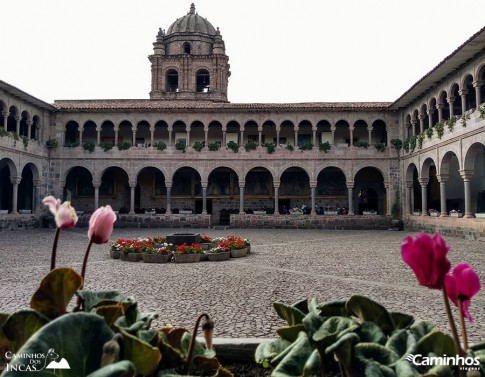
(477, 85)
(29, 130)
(15, 190)
(241, 136)
(467, 176)
(170, 130)
(133, 131)
(350, 189)
(35, 196)
(98, 135)
(332, 129)
(169, 196)
(424, 196)
(81, 130)
(204, 197)
(387, 210)
(296, 137)
(450, 105)
(224, 133)
(408, 207)
(369, 130)
(314, 135)
(278, 129)
(276, 198)
(17, 125)
(5, 119)
(96, 185)
(442, 178)
(351, 131)
(241, 197)
(206, 137)
(430, 118)
(152, 131)
(463, 94)
(187, 129)
(132, 197)
(413, 126)
(440, 107)
(421, 123)
(313, 186)
(116, 129)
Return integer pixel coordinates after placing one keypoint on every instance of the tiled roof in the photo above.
(160, 105)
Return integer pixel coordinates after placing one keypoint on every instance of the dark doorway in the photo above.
(198, 206)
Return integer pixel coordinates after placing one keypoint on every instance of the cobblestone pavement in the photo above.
(284, 265)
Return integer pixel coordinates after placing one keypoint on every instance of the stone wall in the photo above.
(155, 221)
(472, 229)
(312, 222)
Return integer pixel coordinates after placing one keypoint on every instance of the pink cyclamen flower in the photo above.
(101, 225)
(64, 214)
(426, 255)
(462, 285)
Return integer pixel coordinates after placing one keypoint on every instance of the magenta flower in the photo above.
(64, 214)
(462, 285)
(101, 225)
(426, 255)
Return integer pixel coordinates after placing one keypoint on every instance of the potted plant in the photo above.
(455, 213)
(106, 146)
(325, 147)
(380, 147)
(218, 253)
(290, 147)
(198, 146)
(187, 253)
(213, 147)
(161, 146)
(132, 250)
(180, 147)
(270, 147)
(206, 242)
(89, 146)
(237, 246)
(159, 254)
(250, 145)
(233, 146)
(124, 146)
(433, 212)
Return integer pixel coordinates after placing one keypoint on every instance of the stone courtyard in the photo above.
(284, 265)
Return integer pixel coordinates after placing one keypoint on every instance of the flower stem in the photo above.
(54, 249)
(192, 340)
(463, 326)
(85, 262)
(456, 340)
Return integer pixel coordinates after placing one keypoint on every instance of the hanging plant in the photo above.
(412, 143)
(106, 146)
(290, 147)
(325, 147)
(161, 146)
(250, 145)
(451, 122)
(440, 129)
(233, 146)
(89, 146)
(420, 140)
(396, 143)
(213, 147)
(429, 132)
(124, 146)
(380, 147)
(270, 147)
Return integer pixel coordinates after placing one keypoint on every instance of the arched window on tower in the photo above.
(203, 81)
(172, 81)
(187, 48)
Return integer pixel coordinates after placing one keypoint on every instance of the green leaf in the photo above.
(56, 291)
(92, 299)
(371, 333)
(312, 307)
(436, 342)
(367, 352)
(294, 361)
(405, 369)
(206, 363)
(149, 336)
(81, 348)
(312, 365)
(440, 371)
(402, 342)
(373, 369)
(123, 368)
(368, 310)
(290, 333)
(268, 350)
(478, 346)
(4, 342)
(171, 356)
(301, 305)
(21, 325)
(290, 314)
(421, 328)
(401, 320)
(141, 354)
(199, 349)
(342, 350)
(110, 313)
(331, 328)
(333, 309)
(312, 322)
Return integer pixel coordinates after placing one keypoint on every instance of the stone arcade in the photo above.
(179, 158)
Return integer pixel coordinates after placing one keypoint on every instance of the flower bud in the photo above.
(66, 216)
(101, 225)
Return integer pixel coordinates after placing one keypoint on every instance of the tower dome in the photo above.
(192, 23)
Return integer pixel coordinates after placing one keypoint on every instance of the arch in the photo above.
(172, 80)
(13, 113)
(370, 191)
(187, 48)
(90, 132)
(324, 131)
(8, 171)
(379, 132)
(480, 75)
(24, 124)
(331, 190)
(223, 192)
(114, 187)
(426, 165)
(443, 102)
(433, 113)
(258, 189)
(202, 80)
(469, 91)
(294, 190)
(78, 188)
(454, 98)
(71, 133)
(143, 134)
(429, 173)
(449, 170)
(269, 132)
(342, 133)
(35, 127)
(361, 133)
(150, 190)
(424, 116)
(197, 133)
(161, 132)
(186, 189)
(26, 197)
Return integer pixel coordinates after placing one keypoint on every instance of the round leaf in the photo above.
(21, 325)
(295, 360)
(56, 291)
(141, 354)
(269, 349)
(290, 314)
(370, 352)
(370, 311)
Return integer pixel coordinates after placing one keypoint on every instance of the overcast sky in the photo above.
(279, 50)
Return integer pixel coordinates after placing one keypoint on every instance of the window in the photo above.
(186, 47)
(202, 81)
(172, 81)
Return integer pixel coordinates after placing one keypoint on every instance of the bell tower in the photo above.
(189, 61)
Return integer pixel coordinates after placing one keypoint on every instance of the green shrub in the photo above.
(290, 147)
(250, 146)
(406, 144)
(325, 147)
(213, 147)
(451, 122)
(161, 146)
(396, 143)
(233, 146)
(3, 132)
(72, 145)
(412, 143)
(51, 144)
(361, 144)
(420, 139)
(180, 147)
(124, 146)
(380, 147)
(89, 146)
(440, 129)
(306, 147)
(106, 146)
(25, 140)
(429, 132)
(198, 146)
(270, 147)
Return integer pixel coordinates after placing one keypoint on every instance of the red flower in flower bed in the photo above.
(195, 248)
